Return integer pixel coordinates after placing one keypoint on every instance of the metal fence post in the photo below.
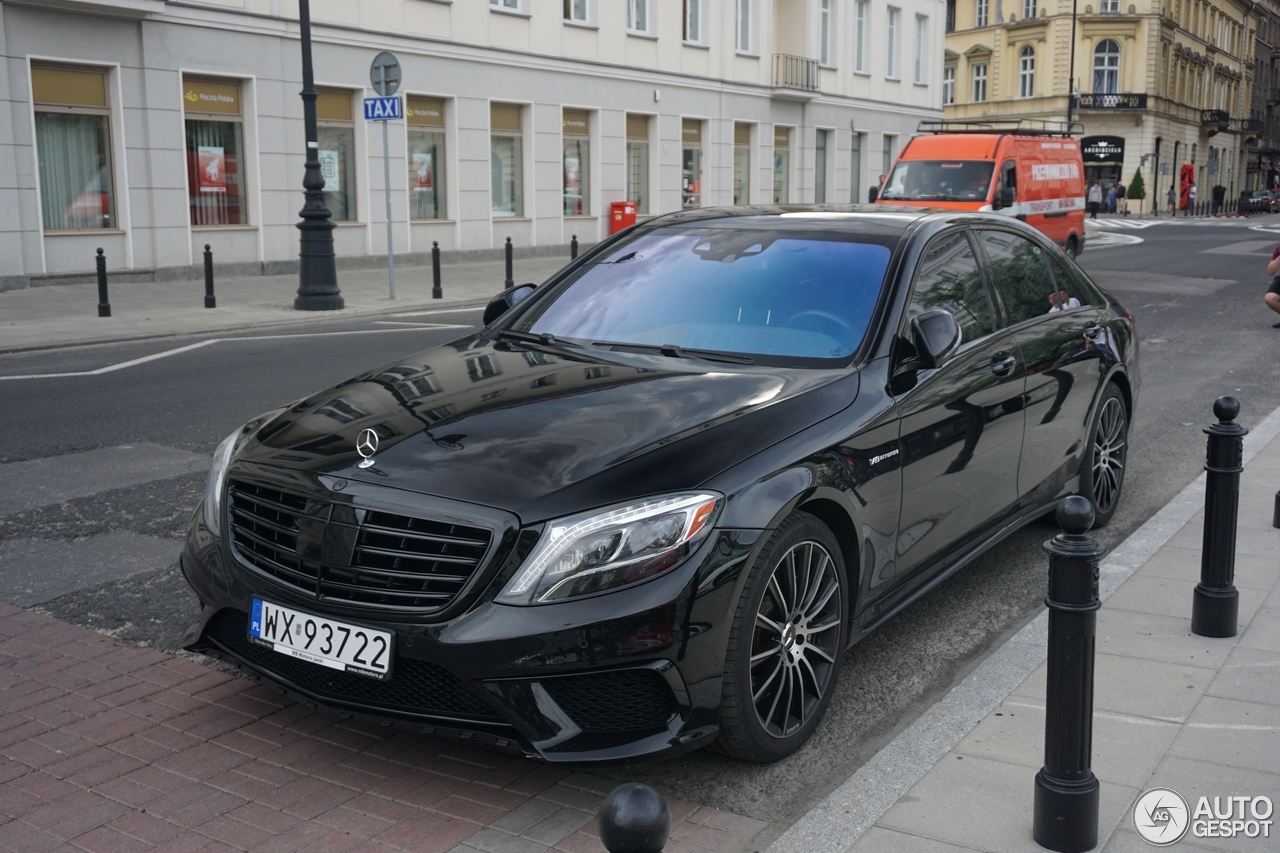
(634, 818)
(1216, 602)
(510, 281)
(210, 301)
(104, 305)
(573, 247)
(436, 292)
(1065, 816)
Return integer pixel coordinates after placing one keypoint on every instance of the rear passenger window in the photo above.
(949, 279)
(1069, 293)
(1020, 274)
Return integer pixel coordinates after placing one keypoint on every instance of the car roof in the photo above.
(881, 220)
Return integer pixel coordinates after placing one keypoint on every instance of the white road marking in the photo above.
(112, 368)
(439, 311)
(1124, 223)
(419, 325)
(1110, 239)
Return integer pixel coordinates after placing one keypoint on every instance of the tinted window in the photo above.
(949, 279)
(1020, 274)
(769, 292)
(1069, 293)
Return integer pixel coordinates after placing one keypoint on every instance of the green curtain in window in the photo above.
(75, 171)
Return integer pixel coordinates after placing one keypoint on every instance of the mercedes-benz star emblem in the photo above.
(366, 446)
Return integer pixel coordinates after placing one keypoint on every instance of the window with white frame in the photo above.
(693, 15)
(506, 159)
(1029, 9)
(824, 32)
(1109, 6)
(891, 43)
(860, 14)
(73, 143)
(1027, 72)
(1106, 67)
(980, 82)
(507, 5)
(639, 18)
(949, 84)
(918, 61)
(980, 13)
(742, 27)
(576, 11)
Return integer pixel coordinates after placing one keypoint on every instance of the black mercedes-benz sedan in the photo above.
(652, 504)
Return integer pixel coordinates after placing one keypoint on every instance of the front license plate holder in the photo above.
(334, 643)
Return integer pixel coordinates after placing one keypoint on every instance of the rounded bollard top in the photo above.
(634, 818)
(207, 247)
(1226, 409)
(1075, 515)
(435, 243)
(508, 239)
(99, 251)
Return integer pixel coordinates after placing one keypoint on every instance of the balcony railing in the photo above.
(1115, 101)
(795, 72)
(1221, 118)
(1252, 125)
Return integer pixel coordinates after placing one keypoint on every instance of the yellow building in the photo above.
(1158, 84)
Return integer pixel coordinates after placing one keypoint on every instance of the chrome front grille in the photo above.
(364, 557)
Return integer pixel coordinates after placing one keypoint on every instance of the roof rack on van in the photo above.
(1022, 126)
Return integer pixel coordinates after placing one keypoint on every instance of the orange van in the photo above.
(1029, 173)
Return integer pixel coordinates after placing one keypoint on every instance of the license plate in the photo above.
(321, 640)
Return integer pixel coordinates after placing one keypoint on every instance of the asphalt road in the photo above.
(1196, 290)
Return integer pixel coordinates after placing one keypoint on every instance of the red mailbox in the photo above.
(621, 214)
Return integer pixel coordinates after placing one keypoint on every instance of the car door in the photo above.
(1054, 327)
(961, 422)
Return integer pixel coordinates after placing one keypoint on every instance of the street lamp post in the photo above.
(317, 273)
(1071, 72)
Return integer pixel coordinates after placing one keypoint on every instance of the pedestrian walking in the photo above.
(1191, 199)
(1111, 199)
(874, 192)
(1095, 200)
(1273, 292)
(1122, 199)
(1173, 200)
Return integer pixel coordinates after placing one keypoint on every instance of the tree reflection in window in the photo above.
(1020, 274)
(949, 280)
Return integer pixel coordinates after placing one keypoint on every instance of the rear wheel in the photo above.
(786, 643)
(1102, 471)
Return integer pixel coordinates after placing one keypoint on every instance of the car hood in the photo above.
(543, 432)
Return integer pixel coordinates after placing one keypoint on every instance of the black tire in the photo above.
(1106, 453)
(1073, 246)
(755, 725)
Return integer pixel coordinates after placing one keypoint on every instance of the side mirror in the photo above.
(936, 336)
(1005, 197)
(505, 301)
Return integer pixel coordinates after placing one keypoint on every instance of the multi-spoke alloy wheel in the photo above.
(785, 648)
(1102, 474)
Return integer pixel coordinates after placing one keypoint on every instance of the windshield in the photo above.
(772, 293)
(939, 180)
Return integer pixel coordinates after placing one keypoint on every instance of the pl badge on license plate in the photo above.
(321, 640)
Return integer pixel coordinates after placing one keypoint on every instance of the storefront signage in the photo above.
(426, 111)
(574, 122)
(211, 96)
(1102, 149)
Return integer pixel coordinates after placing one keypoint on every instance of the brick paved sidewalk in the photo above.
(109, 747)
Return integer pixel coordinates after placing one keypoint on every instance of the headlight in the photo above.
(605, 549)
(217, 480)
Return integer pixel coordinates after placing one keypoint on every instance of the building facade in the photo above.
(1162, 85)
(1263, 165)
(151, 128)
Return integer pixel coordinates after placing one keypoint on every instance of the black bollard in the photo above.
(209, 300)
(436, 292)
(1275, 512)
(573, 247)
(1215, 603)
(104, 305)
(1066, 800)
(510, 282)
(634, 818)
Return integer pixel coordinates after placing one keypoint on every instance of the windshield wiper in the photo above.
(674, 351)
(544, 338)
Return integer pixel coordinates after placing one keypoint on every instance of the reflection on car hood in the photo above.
(543, 433)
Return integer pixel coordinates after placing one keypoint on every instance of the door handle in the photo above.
(1002, 363)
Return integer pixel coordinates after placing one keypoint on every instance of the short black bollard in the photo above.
(104, 305)
(1275, 512)
(573, 247)
(436, 292)
(1215, 603)
(634, 818)
(510, 282)
(209, 300)
(1066, 800)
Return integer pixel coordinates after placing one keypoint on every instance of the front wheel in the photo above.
(1073, 246)
(1102, 471)
(786, 643)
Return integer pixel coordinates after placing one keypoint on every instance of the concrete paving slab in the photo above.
(1125, 748)
(1193, 779)
(33, 571)
(880, 840)
(986, 805)
(1165, 597)
(1250, 675)
(1140, 688)
(1227, 731)
(1264, 631)
(1128, 841)
(1183, 565)
(54, 479)
(1161, 638)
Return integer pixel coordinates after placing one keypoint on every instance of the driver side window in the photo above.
(950, 279)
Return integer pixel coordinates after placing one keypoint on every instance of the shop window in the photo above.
(506, 165)
(425, 118)
(781, 165)
(638, 162)
(577, 150)
(336, 134)
(73, 143)
(215, 152)
(741, 163)
(691, 163)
